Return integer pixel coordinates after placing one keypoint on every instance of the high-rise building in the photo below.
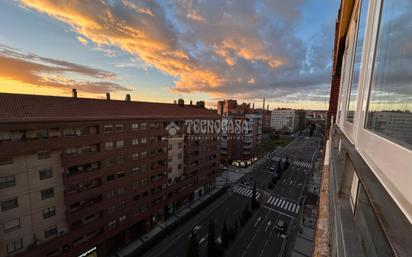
(81, 174)
(239, 147)
(365, 204)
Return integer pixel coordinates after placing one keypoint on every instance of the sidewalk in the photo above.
(304, 238)
(178, 217)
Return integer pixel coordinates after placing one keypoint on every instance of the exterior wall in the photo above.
(103, 192)
(284, 118)
(28, 188)
(175, 156)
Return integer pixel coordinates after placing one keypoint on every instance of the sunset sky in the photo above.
(161, 50)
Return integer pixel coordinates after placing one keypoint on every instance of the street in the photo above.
(259, 237)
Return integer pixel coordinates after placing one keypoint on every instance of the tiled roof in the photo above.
(31, 108)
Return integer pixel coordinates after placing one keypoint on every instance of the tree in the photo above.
(225, 238)
(211, 244)
(193, 248)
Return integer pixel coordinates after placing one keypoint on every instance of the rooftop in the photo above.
(32, 108)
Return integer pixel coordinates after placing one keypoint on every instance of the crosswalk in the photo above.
(283, 204)
(245, 191)
(303, 164)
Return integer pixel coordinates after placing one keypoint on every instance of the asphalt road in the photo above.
(258, 237)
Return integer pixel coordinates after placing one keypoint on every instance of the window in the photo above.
(135, 156)
(143, 140)
(6, 160)
(135, 126)
(120, 159)
(108, 129)
(353, 94)
(119, 144)
(180, 145)
(14, 246)
(135, 170)
(47, 193)
(50, 231)
(7, 181)
(119, 127)
(43, 155)
(180, 155)
(135, 184)
(122, 218)
(9, 204)
(45, 173)
(389, 107)
(110, 178)
(144, 155)
(49, 212)
(108, 145)
(135, 141)
(121, 190)
(112, 224)
(179, 166)
(121, 174)
(11, 225)
(110, 194)
(111, 209)
(143, 126)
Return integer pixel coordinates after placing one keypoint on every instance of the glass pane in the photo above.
(363, 15)
(390, 99)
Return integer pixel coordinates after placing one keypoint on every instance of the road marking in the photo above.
(283, 204)
(268, 225)
(257, 221)
(270, 198)
(287, 205)
(290, 207)
(243, 191)
(257, 196)
(293, 208)
(277, 200)
(280, 203)
(297, 209)
(203, 239)
(249, 194)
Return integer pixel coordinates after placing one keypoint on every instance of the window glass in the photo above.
(9, 204)
(353, 94)
(7, 181)
(390, 97)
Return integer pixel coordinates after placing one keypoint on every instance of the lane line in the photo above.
(270, 198)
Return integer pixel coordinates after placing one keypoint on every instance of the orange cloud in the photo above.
(133, 30)
(39, 72)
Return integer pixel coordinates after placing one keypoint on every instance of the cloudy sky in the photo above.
(161, 50)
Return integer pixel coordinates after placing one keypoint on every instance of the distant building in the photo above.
(82, 174)
(284, 119)
(266, 116)
(240, 148)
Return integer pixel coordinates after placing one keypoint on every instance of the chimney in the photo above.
(200, 104)
(191, 102)
(253, 106)
(264, 103)
(268, 107)
(107, 96)
(174, 102)
(181, 102)
(127, 98)
(74, 93)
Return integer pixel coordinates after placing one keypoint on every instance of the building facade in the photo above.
(239, 148)
(366, 195)
(79, 175)
(284, 120)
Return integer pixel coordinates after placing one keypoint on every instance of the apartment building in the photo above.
(239, 148)
(284, 119)
(366, 195)
(81, 175)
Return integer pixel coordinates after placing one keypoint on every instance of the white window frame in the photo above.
(390, 161)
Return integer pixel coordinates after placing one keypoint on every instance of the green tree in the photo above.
(193, 248)
(211, 244)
